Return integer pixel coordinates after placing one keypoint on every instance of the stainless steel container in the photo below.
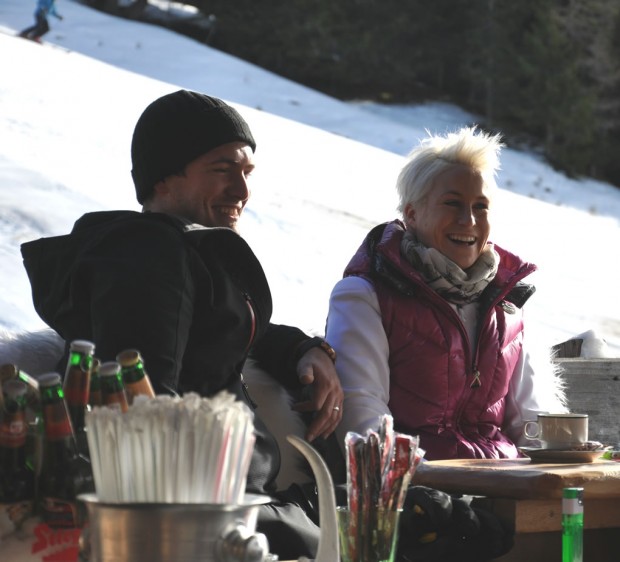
(135, 532)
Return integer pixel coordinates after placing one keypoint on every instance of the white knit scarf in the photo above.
(447, 278)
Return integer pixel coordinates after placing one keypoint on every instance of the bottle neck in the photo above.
(94, 394)
(133, 374)
(57, 421)
(113, 392)
(76, 385)
(137, 382)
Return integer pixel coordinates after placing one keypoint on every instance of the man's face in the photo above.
(213, 190)
(454, 218)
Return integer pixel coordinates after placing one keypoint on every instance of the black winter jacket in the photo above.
(193, 300)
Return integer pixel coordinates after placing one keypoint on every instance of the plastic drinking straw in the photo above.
(214, 449)
(182, 483)
(221, 465)
(92, 437)
(139, 435)
(244, 455)
(245, 466)
(109, 467)
(242, 441)
(124, 445)
(199, 456)
(228, 470)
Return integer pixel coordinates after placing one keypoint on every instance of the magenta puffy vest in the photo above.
(431, 366)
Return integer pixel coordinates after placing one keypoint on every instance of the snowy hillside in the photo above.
(325, 174)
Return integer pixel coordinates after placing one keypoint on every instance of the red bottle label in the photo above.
(58, 513)
(56, 545)
(57, 421)
(13, 434)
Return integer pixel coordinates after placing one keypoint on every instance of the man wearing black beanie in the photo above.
(179, 284)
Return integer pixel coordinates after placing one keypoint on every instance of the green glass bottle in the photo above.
(76, 388)
(16, 475)
(135, 378)
(572, 525)
(34, 423)
(64, 472)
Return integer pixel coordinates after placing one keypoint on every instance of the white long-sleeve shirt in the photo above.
(355, 331)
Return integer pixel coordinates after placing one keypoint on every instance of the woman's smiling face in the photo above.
(454, 216)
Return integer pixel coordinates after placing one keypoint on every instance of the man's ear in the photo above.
(157, 195)
(161, 187)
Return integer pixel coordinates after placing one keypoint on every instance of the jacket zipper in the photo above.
(476, 382)
(248, 301)
(244, 386)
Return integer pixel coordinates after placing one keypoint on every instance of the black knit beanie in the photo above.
(178, 128)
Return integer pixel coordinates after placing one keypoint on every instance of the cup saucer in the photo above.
(539, 454)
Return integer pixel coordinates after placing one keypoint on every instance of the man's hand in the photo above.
(315, 368)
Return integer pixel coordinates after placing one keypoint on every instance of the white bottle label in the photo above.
(571, 506)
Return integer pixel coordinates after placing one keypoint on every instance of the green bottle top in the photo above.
(572, 501)
(135, 378)
(50, 387)
(112, 386)
(573, 493)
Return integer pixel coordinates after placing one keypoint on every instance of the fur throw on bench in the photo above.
(38, 352)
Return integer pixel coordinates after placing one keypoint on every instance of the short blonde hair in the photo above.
(437, 153)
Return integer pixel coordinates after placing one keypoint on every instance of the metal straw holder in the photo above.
(160, 532)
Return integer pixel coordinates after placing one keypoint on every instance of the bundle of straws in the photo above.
(172, 450)
(380, 466)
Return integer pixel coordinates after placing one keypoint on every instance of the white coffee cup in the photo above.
(558, 431)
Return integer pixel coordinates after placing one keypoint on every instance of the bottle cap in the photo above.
(14, 388)
(109, 368)
(84, 346)
(8, 371)
(49, 379)
(129, 357)
(572, 493)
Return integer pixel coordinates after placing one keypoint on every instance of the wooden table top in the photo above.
(519, 478)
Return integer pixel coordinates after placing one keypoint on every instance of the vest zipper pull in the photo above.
(476, 383)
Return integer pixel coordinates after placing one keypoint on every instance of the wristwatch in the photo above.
(331, 352)
(316, 342)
